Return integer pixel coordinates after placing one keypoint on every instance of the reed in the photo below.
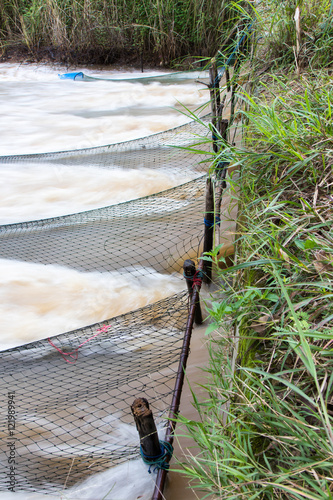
(265, 428)
(162, 31)
(279, 37)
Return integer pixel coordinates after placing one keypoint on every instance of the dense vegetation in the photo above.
(265, 428)
(106, 31)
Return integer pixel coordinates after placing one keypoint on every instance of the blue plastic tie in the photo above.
(160, 461)
(211, 223)
(188, 277)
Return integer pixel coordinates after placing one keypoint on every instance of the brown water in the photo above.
(43, 114)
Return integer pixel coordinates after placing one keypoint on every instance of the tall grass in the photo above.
(265, 429)
(277, 43)
(106, 30)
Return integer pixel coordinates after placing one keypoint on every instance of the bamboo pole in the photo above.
(189, 274)
(169, 435)
(209, 229)
(214, 89)
(227, 77)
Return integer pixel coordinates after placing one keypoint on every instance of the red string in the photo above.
(74, 354)
(197, 279)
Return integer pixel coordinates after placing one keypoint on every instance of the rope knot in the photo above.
(197, 279)
(211, 223)
(160, 461)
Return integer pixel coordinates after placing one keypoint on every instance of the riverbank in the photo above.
(58, 56)
(265, 429)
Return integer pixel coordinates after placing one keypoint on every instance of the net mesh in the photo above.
(166, 78)
(153, 233)
(68, 398)
(65, 420)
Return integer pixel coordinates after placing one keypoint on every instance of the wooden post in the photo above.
(146, 427)
(233, 102)
(169, 434)
(220, 173)
(214, 88)
(224, 129)
(209, 230)
(189, 273)
(227, 77)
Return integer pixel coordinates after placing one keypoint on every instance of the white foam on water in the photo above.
(37, 301)
(32, 192)
(127, 481)
(42, 114)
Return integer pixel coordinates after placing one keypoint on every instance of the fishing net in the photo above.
(156, 233)
(166, 78)
(66, 401)
(165, 151)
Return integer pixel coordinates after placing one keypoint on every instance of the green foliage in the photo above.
(265, 428)
(279, 35)
(164, 30)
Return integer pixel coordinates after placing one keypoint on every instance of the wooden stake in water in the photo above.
(146, 427)
(215, 99)
(209, 230)
(227, 77)
(189, 274)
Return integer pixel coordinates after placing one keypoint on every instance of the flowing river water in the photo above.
(41, 113)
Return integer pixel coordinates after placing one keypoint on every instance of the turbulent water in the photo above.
(42, 113)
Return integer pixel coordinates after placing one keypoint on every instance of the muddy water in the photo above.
(45, 114)
(42, 113)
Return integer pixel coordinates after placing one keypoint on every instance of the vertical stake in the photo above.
(227, 77)
(189, 273)
(215, 98)
(233, 102)
(144, 420)
(209, 230)
(141, 61)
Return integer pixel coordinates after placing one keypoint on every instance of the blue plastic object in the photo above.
(72, 76)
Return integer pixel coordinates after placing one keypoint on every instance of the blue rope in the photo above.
(214, 136)
(197, 274)
(222, 165)
(159, 461)
(211, 223)
(222, 71)
(188, 277)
